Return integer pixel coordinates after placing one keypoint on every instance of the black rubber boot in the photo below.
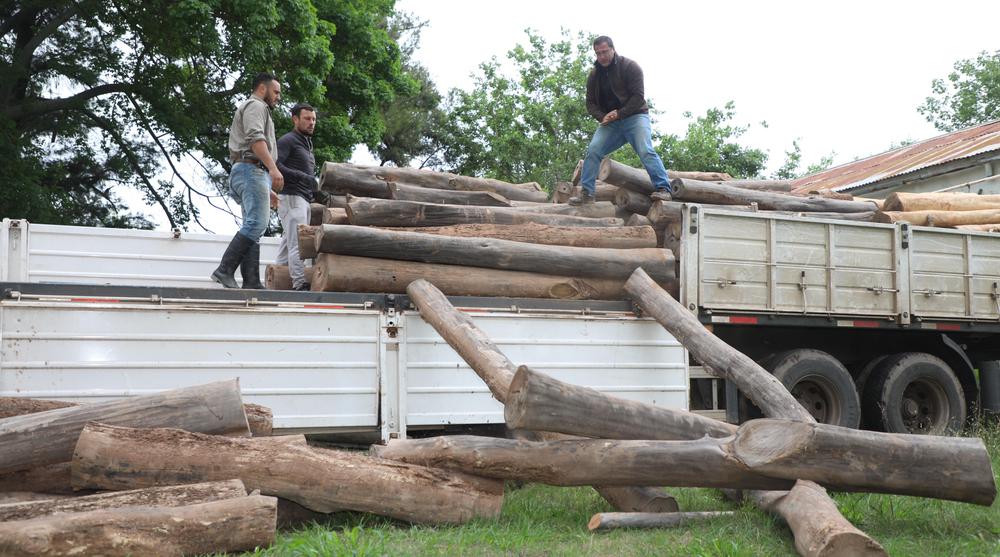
(231, 259)
(250, 269)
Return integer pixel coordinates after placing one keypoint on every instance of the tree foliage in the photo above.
(100, 96)
(969, 96)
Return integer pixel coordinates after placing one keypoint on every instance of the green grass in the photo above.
(551, 521)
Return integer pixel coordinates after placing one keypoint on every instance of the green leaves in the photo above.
(969, 96)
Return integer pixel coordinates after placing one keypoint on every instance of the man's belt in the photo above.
(254, 162)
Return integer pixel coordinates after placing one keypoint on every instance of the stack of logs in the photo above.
(966, 211)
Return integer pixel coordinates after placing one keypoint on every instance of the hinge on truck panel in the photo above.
(391, 319)
(693, 229)
(905, 231)
(996, 297)
(802, 288)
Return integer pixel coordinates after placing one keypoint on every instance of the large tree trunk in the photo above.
(497, 371)
(602, 191)
(824, 529)
(529, 191)
(376, 212)
(602, 522)
(365, 181)
(228, 525)
(632, 202)
(110, 457)
(946, 201)
(944, 219)
(169, 496)
(596, 210)
(334, 216)
(722, 194)
(277, 277)
(14, 497)
(783, 186)
(307, 241)
(637, 179)
(498, 254)
(341, 178)
(18, 406)
(406, 192)
(51, 478)
(610, 237)
(344, 273)
(48, 437)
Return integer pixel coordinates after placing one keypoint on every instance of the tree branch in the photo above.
(22, 59)
(22, 112)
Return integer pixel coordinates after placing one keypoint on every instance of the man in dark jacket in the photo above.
(298, 165)
(616, 98)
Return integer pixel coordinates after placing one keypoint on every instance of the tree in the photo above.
(790, 170)
(531, 126)
(98, 96)
(970, 96)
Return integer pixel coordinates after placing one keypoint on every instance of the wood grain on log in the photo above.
(943, 219)
(48, 437)
(407, 192)
(637, 179)
(227, 525)
(596, 210)
(316, 211)
(722, 194)
(783, 186)
(376, 212)
(945, 201)
(333, 215)
(307, 241)
(639, 220)
(633, 202)
(277, 277)
(497, 254)
(610, 237)
(345, 273)
(168, 496)
(109, 457)
(369, 181)
(51, 478)
(979, 227)
(602, 522)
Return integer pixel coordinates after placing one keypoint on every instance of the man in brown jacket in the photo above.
(616, 98)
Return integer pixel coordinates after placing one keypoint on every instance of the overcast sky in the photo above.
(843, 77)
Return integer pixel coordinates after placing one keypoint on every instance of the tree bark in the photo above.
(228, 525)
(539, 402)
(706, 192)
(334, 216)
(497, 371)
(783, 186)
(602, 237)
(340, 178)
(529, 191)
(406, 192)
(827, 529)
(633, 202)
(365, 181)
(943, 219)
(18, 406)
(577, 174)
(596, 210)
(344, 273)
(639, 220)
(307, 241)
(979, 227)
(375, 212)
(316, 211)
(110, 457)
(498, 254)
(945, 201)
(169, 496)
(637, 179)
(603, 522)
(48, 437)
(664, 213)
(336, 202)
(277, 277)
(51, 478)
(14, 497)
(602, 191)
(260, 419)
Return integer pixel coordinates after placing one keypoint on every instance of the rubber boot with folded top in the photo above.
(583, 198)
(250, 268)
(231, 259)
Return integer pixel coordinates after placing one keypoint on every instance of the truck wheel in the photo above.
(915, 392)
(820, 383)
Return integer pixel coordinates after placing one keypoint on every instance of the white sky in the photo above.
(844, 77)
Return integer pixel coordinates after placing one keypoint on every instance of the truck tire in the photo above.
(820, 383)
(915, 392)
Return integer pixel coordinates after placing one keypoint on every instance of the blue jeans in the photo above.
(250, 185)
(634, 130)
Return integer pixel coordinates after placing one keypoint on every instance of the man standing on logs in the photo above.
(254, 172)
(616, 98)
(298, 165)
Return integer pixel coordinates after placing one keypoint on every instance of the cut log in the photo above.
(334, 216)
(943, 219)
(638, 220)
(497, 254)
(277, 277)
(13, 497)
(334, 202)
(228, 525)
(497, 371)
(637, 179)
(406, 192)
(316, 211)
(980, 227)
(783, 186)
(260, 419)
(376, 212)
(945, 201)
(602, 192)
(632, 202)
(562, 192)
(577, 174)
(722, 194)
(48, 437)
(369, 181)
(823, 528)
(344, 273)
(596, 210)
(19, 406)
(109, 457)
(663, 213)
(307, 241)
(610, 237)
(603, 522)
(51, 478)
(169, 496)
(341, 178)
(538, 402)
(529, 191)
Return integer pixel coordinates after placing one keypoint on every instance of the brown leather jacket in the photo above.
(627, 85)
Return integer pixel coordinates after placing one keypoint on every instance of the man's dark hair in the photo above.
(604, 39)
(299, 107)
(262, 77)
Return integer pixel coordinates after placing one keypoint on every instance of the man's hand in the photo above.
(277, 180)
(274, 200)
(609, 117)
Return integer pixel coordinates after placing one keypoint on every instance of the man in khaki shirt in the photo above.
(252, 149)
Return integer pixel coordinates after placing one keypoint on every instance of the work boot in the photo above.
(231, 259)
(661, 195)
(250, 268)
(583, 199)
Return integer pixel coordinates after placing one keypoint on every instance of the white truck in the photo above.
(868, 324)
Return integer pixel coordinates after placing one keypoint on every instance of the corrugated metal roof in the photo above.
(938, 150)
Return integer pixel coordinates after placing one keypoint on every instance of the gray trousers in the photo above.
(293, 211)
